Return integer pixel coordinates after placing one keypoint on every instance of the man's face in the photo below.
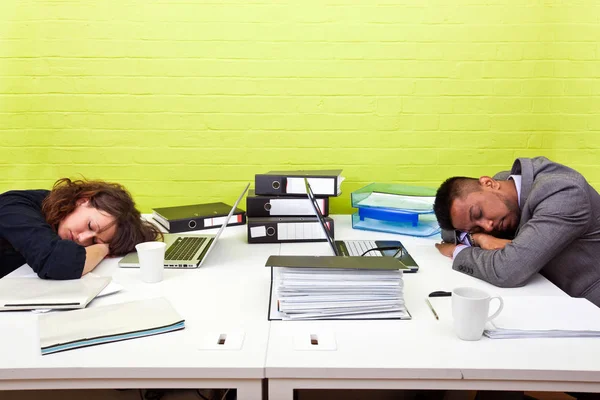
(488, 210)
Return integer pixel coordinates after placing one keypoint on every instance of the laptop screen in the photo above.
(231, 212)
(319, 214)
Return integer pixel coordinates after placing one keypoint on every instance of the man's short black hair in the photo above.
(450, 190)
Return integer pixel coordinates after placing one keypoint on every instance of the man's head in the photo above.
(478, 205)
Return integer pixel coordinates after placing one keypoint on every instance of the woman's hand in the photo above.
(489, 242)
(446, 249)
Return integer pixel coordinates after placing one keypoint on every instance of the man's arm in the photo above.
(558, 218)
(489, 242)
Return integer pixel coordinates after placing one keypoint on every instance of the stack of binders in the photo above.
(279, 210)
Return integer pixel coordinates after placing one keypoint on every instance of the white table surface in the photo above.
(423, 352)
(229, 294)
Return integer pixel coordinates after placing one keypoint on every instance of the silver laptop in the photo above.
(185, 250)
(365, 248)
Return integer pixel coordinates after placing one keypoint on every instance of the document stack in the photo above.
(279, 210)
(545, 317)
(332, 293)
(43, 294)
(395, 208)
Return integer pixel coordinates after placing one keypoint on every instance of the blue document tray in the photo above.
(394, 196)
(395, 208)
(426, 224)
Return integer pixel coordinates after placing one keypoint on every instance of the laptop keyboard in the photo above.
(184, 248)
(358, 247)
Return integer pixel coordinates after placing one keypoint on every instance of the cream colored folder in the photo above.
(99, 325)
(35, 293)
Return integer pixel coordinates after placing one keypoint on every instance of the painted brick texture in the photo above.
(184, 101)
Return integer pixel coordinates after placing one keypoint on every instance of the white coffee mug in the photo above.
(152, 260)
(470, 311)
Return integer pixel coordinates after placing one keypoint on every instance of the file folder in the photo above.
(106, 324)
(282, 206)
(347, 262)
(286, 229)
(322, 182)
(35, 293)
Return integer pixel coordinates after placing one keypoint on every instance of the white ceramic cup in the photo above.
(470, 311)
(152, 260)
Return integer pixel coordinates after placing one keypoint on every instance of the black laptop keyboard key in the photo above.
(184, 248)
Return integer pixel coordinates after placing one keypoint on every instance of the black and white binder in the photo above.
(283, 206)
(286, 229)
(322, 182)
(197, 216)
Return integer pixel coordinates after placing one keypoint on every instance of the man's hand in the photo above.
(489, 242)
(446, 249)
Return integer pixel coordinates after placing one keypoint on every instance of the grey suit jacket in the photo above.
(558, 234)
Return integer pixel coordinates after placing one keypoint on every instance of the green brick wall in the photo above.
(185, 101)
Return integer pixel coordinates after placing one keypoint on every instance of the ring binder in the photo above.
(284, 183)
(288, 229)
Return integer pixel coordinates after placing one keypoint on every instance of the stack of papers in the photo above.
(398, 201)
(98, 325)
(545, 317)
(35, 293)
(332, 293)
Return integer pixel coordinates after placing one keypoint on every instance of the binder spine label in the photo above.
(218, 221)
(258, 231)
(320, 186)
(294, 207)
(300, 231)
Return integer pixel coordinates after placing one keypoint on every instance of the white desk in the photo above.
(228, 294)
(424, 353)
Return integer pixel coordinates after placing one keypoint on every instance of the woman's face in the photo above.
(87, 225)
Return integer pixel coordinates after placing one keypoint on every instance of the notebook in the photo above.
(35, 293)
(366, 248)
(185, 250)
(106, 324)
(534, 317)
(545, 317)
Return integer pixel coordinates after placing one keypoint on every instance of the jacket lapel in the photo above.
(523, 167)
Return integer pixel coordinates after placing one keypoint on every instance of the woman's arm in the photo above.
(25, 228)
(93, 255)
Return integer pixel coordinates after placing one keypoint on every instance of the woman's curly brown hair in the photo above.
(110, 198)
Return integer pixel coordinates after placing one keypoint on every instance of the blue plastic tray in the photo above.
(426, 224)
